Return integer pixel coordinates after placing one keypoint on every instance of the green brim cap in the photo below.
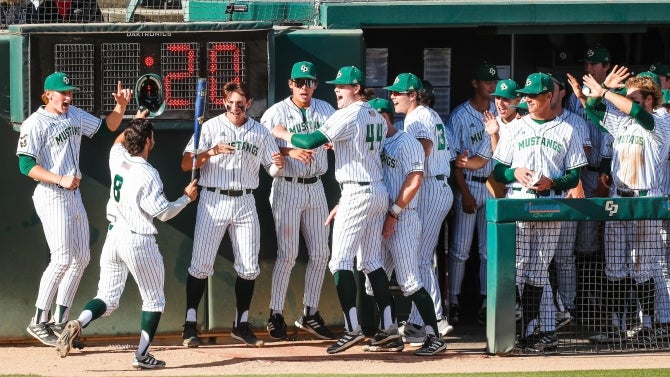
(522, 105)
(666, 96)
(597, 54)
(405, 82)
(537, 83)
(506, 89)
(58, 81)
(349, 75)
(303, 70)
(486, 72)
(660, 69)
(381, 105)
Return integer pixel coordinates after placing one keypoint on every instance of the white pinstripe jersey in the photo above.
(551, 148)
(595, 134)
(136, 193)
(357, 133)
(638, 155)
(402, 155)
(580, 126)
(287, 113)
(425, 123)
(55, 140)
(470, 133)
(254, 146)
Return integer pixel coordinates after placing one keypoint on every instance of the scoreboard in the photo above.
(162, 62)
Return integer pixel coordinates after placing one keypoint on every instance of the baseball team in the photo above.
(399, 180)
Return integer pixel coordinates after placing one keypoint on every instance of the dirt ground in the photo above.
(112, 357)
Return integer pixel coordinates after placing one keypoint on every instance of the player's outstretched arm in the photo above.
(173, 208)
(122, 97)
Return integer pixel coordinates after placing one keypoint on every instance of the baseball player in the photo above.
(232, 148)
(663, 72)
(435, 201)
(403, 160)
(135, 198)
(640, 150)
(298, 201)
(48, 152)
(357, 133)
(466, 122)
(541, 158)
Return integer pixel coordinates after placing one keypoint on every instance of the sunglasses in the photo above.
(533, 96)
(310, 83)
(399, 93)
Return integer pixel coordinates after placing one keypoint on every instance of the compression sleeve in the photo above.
(173, 208)
(645, 119)
(503, 173)
(26, 163)
(595, 110)
(568, 181)
(309, 141)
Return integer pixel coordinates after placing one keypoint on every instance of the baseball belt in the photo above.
(353, 183)
(228, 192)
(631, 193)
(478, 179)
(593, 168)
(303, 180)
(542, 193)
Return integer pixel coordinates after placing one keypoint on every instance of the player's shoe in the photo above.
(431, 345)
(611, 335)
(314, 325)
(57, 328)
(277, 327)
(384, 336)
(413, 333)
(346, 340)
(481, 316)
(395, 345)
(546, 341)
(562, 319)
(189, 336)
(454, 314)
(147, 361)
(42, 332)
(244, 333)
(644, 338)
(68, 336)
(443, 326)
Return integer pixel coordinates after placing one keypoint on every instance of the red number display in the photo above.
(180, 74)
(225, 63)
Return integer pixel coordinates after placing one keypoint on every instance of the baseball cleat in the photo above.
(454, 314)
(315, 325)
(190, 335)
(277, 327)
(384, 336)
(413, 333)
(346, 340)
(395, 345)
(66, 339)
(42, 332)
(147, 362)
(431, 346)
(443, 327)
(244, 333)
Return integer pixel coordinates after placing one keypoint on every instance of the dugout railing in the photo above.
(592, 318)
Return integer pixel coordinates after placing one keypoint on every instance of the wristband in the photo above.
(605, 86)
(389, 213)
(395, 209)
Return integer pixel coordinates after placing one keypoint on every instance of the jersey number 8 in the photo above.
(118, 182)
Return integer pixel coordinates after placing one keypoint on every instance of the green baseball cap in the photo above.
(560, 79)
(58, 81)
(349, 75)
(303, 70)
(486, 72)
(597, 54)
(537, 83)
(522, 105)
(652, 76)
(405, 82)
(381, 105)
(666, 97)
(506, 89)
(660, 69)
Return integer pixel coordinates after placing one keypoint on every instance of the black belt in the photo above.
(593, 168)
(305, 180)
(479, 179)
(440, 177)
(631, 193)
(353, 182)
(228, 192)
(538, 193)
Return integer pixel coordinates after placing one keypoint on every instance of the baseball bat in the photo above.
(197, 121)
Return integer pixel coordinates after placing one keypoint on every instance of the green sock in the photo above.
(424, 305)
(61, 314)
(346, 292)
(97, 308)
(244, 290)
(149, 325)
(382, 294)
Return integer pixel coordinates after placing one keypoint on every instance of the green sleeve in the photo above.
(309, 141)
(503, 173)
(26, 163)
(645, 119)
(595, 110)
(568, 181)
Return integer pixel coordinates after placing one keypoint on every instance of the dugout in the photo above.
(440, 40)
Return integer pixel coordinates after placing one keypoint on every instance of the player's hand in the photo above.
(331, 215)
(616, 78)
(469, 203)
(462, 159)
(222, 148)
(329, 146)
(389, 226)
(142, 113)
(69, 182)
(492, 126)
(122, 96)
(280, 132)
(278, 160)
(576, 87)
(192, 190)
(524, 176)
(303, 155)
(595, 90)
(544, 183)
(603, 187)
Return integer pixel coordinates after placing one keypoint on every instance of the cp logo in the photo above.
(611, 207)
(304, 68)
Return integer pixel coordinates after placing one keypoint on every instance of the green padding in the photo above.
(139, 27)
(592, 209)
(216, 11)
(500, 288)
